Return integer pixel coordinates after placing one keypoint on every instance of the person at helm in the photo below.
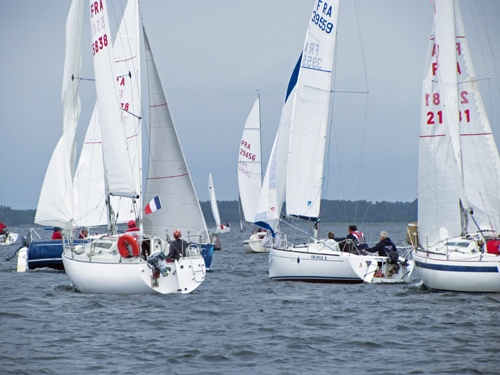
(178, 247)
(132, 226)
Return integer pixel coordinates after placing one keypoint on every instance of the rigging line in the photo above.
(332, 131)
(366, 104)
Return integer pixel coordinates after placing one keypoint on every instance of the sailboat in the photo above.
(459, 168)
(295, 171)
(250, 178)
(219, 227)
(134, 262)
(8, 239)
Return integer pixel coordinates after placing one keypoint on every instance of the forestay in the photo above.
(249, 164)
(55, 205)
(168, 174)
(458, 157)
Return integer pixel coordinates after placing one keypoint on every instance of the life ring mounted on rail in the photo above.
(127, 243)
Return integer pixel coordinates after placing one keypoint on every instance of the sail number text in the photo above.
(98, 26)
(309, 57)
(242, 168)
(435, 99)
(320, 19)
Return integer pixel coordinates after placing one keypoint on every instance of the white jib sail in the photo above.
(249, 164)
(213, 201)
(168, 174)
(311, 103)
(55, 205)
(118, 165)
(90, 208)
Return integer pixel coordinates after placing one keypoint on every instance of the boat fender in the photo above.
(125, 243)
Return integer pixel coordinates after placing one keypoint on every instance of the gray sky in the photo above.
(214, 57)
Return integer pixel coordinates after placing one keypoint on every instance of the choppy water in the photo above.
(240, 322)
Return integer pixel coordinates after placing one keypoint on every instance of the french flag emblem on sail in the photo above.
(153, 205)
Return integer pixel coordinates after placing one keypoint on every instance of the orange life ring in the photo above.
(126, 241)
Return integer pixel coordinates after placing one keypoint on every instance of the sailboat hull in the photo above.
(310, 263)
(459, 271)
(99, 268)
(323, 262)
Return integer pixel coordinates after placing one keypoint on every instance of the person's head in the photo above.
(177, 234)
(57, 229)
(331, 236)
(131, 224)
(352, 228)
(85, 232)
(383, 235)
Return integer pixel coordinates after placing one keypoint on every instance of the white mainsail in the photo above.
(118, 166)
(458, 157)
(297, 158)
(249, 164)
(310, 114)
(213, 201)
(55, 205)
(168, 174)
(90, 208)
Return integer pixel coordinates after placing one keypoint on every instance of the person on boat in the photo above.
(3, 228)
(57, 235)
(383, 248)
(178, 247)
(132, 226)
(83, 233)
(357, 237)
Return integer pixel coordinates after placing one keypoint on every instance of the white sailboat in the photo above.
(250, 178)
(296, 169)
(127, 264)
(459, 168)
(219, 227)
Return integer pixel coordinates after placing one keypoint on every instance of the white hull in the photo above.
(466, 270)
(222, 230)
(8, 240)
(106, 272)
(317, 262)
(254, 246)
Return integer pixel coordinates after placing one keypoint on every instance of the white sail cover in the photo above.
(249, 164)
(213, 201)
(168, 174)
(311, 103)
(117, 161)
(454, 168)
(55, 205)
(90, 208)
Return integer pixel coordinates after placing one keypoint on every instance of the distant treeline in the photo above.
(13, 218)
(338, 211)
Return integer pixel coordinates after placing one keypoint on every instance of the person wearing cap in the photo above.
(383, 248)
(57, 235)
(178, 247)
(132, 226)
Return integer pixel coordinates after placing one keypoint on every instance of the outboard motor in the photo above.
(155, 262)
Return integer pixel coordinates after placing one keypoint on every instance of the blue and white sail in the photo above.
(297, 158)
